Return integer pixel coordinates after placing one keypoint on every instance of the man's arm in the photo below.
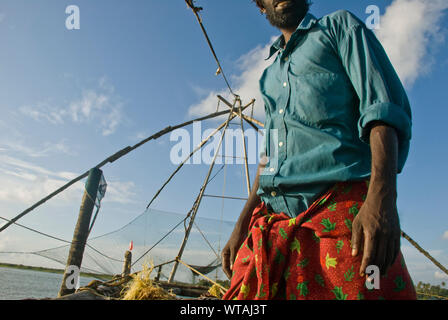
(376, 228)
(241, 227)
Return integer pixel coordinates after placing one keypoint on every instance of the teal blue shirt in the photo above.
(321, 92)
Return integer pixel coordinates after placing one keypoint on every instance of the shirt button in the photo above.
(285, 59)
(285, 84)
(273, 193)
(280, 111)
(280, 144)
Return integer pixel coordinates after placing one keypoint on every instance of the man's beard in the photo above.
(289, 17)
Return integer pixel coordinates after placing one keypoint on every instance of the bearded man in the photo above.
(322, 215)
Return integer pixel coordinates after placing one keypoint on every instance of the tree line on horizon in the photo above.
(427, 291)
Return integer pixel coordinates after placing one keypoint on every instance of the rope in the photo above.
(206, 240)
(166, 235)
(203, 142)
(424, 252)
(225, 197)
(39, 232)
(223, 290)
(55, 238)
(220, 70)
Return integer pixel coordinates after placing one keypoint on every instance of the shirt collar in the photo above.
(306, 24)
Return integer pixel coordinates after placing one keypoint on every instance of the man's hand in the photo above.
(230, 250)
(376, 228)
(241, 229)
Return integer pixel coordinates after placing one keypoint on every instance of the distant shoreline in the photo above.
(51, 270)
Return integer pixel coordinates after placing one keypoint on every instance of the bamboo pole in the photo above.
(248, 119)
(159, 273)
(198, 201)
(424, 252)
(225, 197)
(110, 159)
(201, 144)
(246, 166)
(82, 229)
(127, 263)
(196, 271)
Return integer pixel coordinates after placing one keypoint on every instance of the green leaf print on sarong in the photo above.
(279, 257)
(320, 280)
(339, 245)
(261, 293)
(354, 210)
(339, 295)
(283, 233)
(332, 206)
(349, 275)
(303, 263)
(400, 284)
(303, 288)
(295, 245)
(348, 223)
(328, 225)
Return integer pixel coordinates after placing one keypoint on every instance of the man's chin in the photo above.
(285, 21)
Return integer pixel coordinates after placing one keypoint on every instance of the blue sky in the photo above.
(71, 98)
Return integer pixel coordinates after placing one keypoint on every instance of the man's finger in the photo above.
(356, 237)
(368, 254)
(389, 256)
(232, 258)
(225, 258)
(380, 255)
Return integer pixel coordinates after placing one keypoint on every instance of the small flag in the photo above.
(131, 246)
(102, 187)
(101, 191)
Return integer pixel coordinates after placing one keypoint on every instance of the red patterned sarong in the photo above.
(309, 257)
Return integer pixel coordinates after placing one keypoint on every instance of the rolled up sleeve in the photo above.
(389, 113)
(382, 96)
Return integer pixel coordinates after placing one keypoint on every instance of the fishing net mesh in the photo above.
(156, 237)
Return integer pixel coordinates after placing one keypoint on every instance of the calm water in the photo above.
(16, 284)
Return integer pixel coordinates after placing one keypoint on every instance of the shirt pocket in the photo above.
(319, 98)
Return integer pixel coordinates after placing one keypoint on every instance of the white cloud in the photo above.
(445, 235)
(440, 275)
(44, 150)
(26, 182)
(410, 31)
(420, 267)
(246, 84)
(120, 192)
(140, 136)
(43, 111)
(95, 105)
